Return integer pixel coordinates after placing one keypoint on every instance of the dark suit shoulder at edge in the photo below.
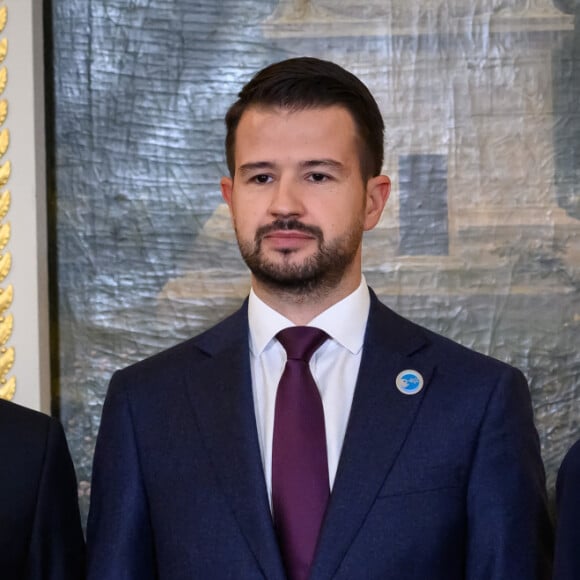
(22, 419)
(571, 464)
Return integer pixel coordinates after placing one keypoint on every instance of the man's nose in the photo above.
(286, 199)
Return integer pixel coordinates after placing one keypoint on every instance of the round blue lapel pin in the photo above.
(409, 382)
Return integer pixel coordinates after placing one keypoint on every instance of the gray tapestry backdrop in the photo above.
(480, 240)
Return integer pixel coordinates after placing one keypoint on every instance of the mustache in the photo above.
(287, 225)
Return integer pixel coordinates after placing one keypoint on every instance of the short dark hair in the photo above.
(304, 83)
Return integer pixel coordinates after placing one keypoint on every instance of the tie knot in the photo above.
(301, 342)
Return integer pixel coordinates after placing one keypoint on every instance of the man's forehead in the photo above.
(312, 134)
(292, 110)
(304, 137)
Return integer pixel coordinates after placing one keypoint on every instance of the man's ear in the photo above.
(378, 190)
(227, 186)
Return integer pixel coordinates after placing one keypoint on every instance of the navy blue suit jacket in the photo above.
(40, 526)
(567, 558)
(443, 485)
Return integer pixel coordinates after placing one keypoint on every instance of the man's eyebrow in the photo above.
(332, 163)
(255, 166)
(308, 164)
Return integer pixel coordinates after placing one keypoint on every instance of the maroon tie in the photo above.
(300, 488)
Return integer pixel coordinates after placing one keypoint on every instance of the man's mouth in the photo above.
(289, 231)
(287, 239)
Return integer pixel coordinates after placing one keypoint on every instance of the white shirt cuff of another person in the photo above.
(334, 366)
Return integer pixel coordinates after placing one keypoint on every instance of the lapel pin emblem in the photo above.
(409, 382)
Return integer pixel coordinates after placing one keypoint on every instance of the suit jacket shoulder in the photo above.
(567, 557)
(570, 469)
(465, 441)
(178, 447)
(40, 535)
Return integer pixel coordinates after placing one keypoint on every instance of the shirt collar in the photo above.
(344, 321)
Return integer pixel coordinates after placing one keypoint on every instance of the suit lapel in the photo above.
(221, 395)
(380, 419)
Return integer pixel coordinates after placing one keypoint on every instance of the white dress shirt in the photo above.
(334, 366)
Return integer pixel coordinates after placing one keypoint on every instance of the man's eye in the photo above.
(318, 177)
(262, 178)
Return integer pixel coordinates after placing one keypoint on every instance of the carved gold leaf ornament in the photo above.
(5, 170)
(3, 18)
(5, 200)
(7, 353)
(6, 297)
(3, 111)
(3, 49)
(4, 235)
(4, 141)
(6, 360)
(7, 388)
(5, 265)
(3, 79)
(6, 325)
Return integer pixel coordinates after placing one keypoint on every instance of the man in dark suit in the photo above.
(567, 555)
(315, 433)
(40, 528)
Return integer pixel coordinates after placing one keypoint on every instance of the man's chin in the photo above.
(298, 278)
(282, 282)
(288, 262)
(284, 274)
(291, 257)
(303, 271)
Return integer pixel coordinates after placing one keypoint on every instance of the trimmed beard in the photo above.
(317, 274)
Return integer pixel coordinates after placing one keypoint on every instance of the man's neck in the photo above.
(302, 308)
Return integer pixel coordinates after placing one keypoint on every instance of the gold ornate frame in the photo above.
(7, 354)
